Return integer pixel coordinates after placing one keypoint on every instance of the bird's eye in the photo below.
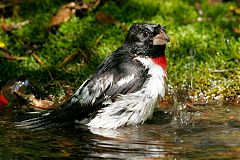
(145, 34)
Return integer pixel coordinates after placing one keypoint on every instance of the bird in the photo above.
(123, 91)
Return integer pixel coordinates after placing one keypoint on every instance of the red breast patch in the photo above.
(162, 61)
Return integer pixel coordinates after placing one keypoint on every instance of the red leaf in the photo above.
(3, 101)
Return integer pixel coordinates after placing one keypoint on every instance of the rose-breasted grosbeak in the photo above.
(124, 90)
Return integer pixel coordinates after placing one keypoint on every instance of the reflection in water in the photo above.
(210, 133)
(138, 142)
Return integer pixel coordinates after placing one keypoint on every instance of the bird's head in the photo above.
(147, 39)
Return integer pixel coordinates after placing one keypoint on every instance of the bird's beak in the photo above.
(161, 38)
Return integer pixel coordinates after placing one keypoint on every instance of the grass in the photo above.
(203, 55)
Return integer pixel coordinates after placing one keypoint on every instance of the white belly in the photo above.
(134, 108)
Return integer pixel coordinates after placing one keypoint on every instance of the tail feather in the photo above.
(62, 116)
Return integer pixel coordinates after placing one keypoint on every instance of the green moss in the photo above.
(197, 48)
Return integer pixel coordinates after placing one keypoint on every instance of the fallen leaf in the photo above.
(43, 104)
(3, 101)
(107, 19)
(64, 14)
(12, 26)
(36, 103)
(21, 94)
(87, 6)
(104, 18)
(236, 30)
(165, 103)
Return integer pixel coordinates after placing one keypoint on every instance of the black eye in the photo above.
(145, 34)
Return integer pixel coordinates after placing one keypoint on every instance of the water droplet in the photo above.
(228, 41)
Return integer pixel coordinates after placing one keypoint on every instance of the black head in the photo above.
(147, 39)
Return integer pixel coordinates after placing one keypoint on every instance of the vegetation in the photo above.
(203, 55)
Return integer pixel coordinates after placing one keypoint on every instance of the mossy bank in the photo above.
(203, 55)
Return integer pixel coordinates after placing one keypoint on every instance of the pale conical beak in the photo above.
(161, 38)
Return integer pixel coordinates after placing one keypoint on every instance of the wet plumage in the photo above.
(125, 89)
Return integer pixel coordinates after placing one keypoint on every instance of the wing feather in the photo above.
(119, 74)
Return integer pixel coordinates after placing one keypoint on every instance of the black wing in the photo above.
(120, 73)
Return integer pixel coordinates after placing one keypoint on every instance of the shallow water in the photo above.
(206, 133)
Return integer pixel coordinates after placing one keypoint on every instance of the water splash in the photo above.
(19, 84)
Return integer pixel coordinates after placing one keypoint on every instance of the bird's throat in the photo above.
(161, 60)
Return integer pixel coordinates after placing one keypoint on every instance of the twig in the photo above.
(68, 59)
(38, 59)
(10, 57)
(9, 4)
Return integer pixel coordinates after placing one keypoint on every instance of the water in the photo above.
(209, 132)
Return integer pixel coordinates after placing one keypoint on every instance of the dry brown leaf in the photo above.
(87, 6)
(236, 30)
(107, 19)
(64, 14)
(12, 26)
(66, 11)
(36, 103)
(43, 104)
